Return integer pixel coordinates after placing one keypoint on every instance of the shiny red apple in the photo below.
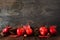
(20, 31)
(43, 30)
(53, 29)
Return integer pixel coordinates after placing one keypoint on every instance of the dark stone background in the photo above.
(34, 12)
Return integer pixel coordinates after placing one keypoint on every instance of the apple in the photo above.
(43, 30)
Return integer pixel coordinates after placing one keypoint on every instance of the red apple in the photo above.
(53, 29)
(43, 30)
(20, 31)
(29, 31)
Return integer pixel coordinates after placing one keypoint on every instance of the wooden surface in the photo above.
(30, 38)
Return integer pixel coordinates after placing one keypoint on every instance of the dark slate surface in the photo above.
(35, 12)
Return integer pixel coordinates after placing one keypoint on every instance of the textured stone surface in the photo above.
(35, 12)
